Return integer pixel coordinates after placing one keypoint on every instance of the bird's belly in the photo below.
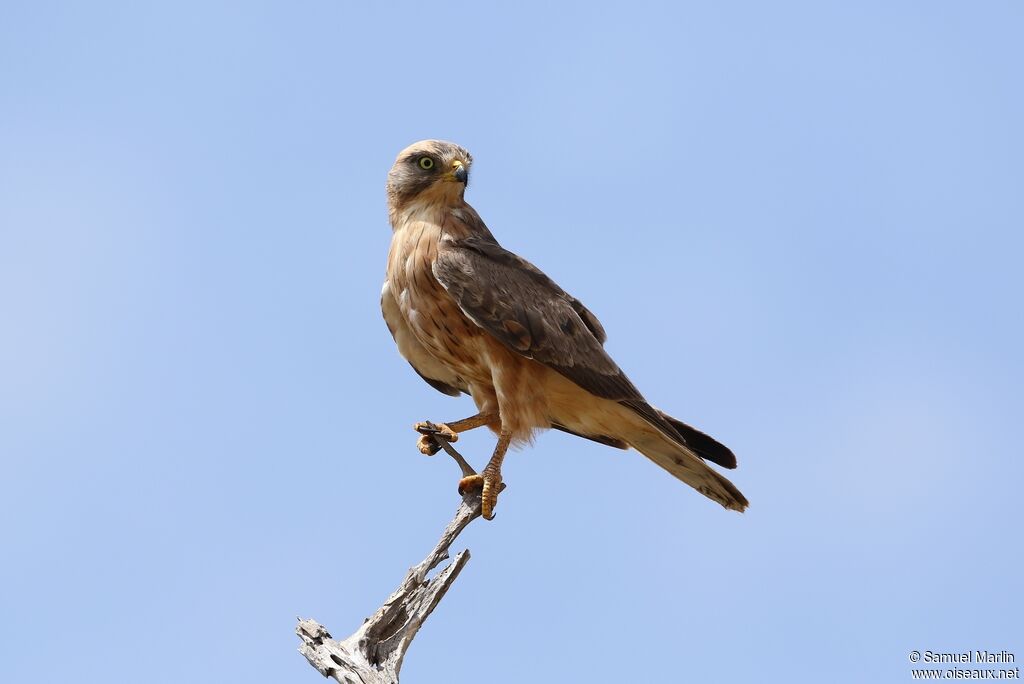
(499, 379)
(425, 363)
(443, 330)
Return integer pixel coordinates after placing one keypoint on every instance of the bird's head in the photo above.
(430, 171)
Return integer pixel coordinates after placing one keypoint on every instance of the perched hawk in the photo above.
(470, 316)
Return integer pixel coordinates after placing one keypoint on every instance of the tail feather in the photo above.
(684, 464)
(694, 440)
(704, 445)
(672, 444)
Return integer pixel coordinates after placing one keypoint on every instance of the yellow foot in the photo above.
(427, 443)
(490, 482)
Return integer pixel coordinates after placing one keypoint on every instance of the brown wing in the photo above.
(528, 312)
(524, 309)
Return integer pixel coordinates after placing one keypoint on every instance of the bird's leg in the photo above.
(430, 433)
(490, 478)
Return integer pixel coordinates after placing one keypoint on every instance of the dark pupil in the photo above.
(426, 162)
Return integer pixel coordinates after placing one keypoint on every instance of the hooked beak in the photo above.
(459, 172)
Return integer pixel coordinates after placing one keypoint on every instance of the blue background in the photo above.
(799, 222)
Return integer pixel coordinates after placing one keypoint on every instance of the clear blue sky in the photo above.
(799, 222)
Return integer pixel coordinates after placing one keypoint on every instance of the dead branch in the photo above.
(374, 653)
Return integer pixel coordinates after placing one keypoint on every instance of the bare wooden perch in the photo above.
(374, 653)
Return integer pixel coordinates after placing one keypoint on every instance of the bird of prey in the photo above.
(472, 317)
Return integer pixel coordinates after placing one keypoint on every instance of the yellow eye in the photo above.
(426, 163)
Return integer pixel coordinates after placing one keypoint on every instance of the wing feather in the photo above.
(526, 311)
(529, 313)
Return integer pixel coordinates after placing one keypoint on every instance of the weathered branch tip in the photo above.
(374, 653)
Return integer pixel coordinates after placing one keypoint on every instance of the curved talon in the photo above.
(490, 483)
(428, 443)
(470, 482)
(440, 430)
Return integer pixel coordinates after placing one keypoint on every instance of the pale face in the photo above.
(431, 170)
